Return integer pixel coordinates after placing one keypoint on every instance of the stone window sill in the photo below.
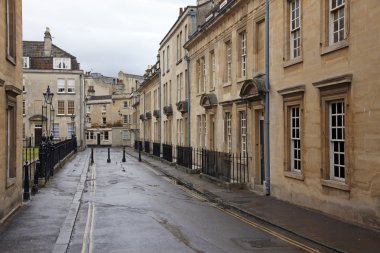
(241, 79)
(335, 184)
(227, 84)
(294, 175)
(334, 47)
(10, 182)
(293, 62)
(179, 61)
(200, 94)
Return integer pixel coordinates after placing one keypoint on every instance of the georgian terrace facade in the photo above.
(226, 73)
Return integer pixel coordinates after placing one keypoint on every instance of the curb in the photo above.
(66, 230)
(216, 199)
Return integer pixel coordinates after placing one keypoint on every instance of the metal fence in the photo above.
(30, 157)
(167, 152)
(156, 149)
(228, 167)
(147, 146)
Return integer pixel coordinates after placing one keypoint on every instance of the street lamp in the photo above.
(73, 124)
(48, 97)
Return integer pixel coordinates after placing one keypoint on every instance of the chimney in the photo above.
(47, 43)
(180, 11)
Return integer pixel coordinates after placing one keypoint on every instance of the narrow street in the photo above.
(129, 207)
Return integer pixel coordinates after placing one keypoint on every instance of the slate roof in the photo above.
(35, 51)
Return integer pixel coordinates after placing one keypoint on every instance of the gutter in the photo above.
(187, 58)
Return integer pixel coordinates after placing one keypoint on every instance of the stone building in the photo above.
(325, 111)
(46, 65)
(11, 113)
(226, 72)
(108, 103)
(149, 108)
(173, 63)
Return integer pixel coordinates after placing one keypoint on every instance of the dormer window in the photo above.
(62, 63)
(25, 62)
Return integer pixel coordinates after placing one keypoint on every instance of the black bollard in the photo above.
(92, 156)
(123, 155)
(26, 182)
(109, 158)
(140, 147)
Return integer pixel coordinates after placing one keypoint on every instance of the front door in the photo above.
(98, 138)
(262, 162)
(37, 136)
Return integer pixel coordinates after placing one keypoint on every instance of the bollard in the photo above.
(26, 182)
(140, 146)
(92, 156)
(123, 155)
(109, 158)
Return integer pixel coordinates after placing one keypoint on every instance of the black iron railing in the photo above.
(185, 156)
(30, 157)
(228, 167)
(147, 146)
(156, 149)
(51, 154)
(138, 144)
(167, 152)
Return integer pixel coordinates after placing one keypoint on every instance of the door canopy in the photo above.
(208, 100)
(253, 89)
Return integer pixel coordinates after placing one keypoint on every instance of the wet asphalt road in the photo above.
(130, 207)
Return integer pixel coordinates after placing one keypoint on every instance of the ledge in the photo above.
(292, 62)
(292, 90)
(179, 61)
(343, 79)
(294, 175)
(227, 84)
(334, 47)
(335, 184)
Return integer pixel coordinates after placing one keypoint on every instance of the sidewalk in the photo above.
(313, 226)
(36, 226)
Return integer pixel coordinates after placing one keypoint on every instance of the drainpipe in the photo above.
(82, 109)
(267, 89)
(159, 105)
(187, 58)
(144, 119)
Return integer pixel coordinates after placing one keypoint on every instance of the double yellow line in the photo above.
(254, 224)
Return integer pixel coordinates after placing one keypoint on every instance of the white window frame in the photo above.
(70, 129)
(104, 108)
(204, 76)
(125, 105)
(55, 131)
(61, 63)
(295, 28)
(337, 14)
(243, 131)
(295, 138)
(243, 41)
(125, 119)
(337, 141)
(228, 118)
(61, 86)
(106, 135)
(71, 86)
(70, 108)
(213, 70)
(25, 62)
(229, 61)
(88, 109)
(58, 113)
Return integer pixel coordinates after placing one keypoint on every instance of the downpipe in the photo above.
(267, 88)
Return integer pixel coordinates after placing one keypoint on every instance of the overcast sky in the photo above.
(106, 36)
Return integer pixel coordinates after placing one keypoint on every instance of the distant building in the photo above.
(46, 65)
(108, 103)
(10, 110)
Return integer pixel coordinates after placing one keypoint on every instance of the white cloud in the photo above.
(105, 36)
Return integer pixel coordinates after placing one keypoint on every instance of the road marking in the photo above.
(87, 245)
(252, 223)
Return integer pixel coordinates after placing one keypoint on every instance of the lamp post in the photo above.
(45, 169)
(73, 133)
